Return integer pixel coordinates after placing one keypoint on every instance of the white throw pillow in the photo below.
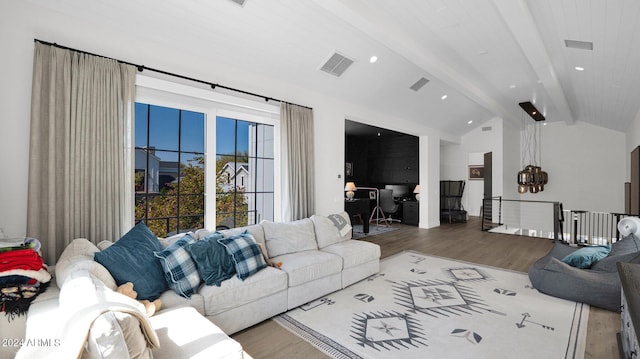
(78, 247)
(289, 237)
(201, 233)
(166, 242)
(79, 255)
(104, 245)
(82, 263)
(326, 232)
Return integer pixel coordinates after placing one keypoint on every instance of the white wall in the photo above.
(429, 149)
(510, 161)
(586, 166)
(21, 22)
(454, 162)
(15, 95)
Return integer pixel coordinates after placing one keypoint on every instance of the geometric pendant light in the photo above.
(531, 178)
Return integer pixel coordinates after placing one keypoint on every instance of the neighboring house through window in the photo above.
(203, 159)
(245, 162)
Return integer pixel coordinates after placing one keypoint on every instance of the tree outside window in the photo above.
(170, 170)
(169, 164)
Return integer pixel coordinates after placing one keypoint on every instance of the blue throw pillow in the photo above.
(585, 257)
(245, 253)
(131, 259)
(180, 270)
(213, 262)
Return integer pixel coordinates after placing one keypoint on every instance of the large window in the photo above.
(245, 172)
(169, 168)
(203, 159)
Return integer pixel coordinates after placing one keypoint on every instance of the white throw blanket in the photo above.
(59, 328)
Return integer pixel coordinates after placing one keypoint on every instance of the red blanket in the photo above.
(26, 259)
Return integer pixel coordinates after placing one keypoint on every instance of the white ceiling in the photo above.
(485, 55)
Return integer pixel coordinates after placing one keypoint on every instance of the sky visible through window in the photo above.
(164, 128)
(225, 142)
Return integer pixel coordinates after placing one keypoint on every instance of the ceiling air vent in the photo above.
(418, 85)
(239, 2)
(336, 65)
(575, 44)
(486, 128)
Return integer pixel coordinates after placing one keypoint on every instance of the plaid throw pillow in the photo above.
(245, 253)
(180, 270)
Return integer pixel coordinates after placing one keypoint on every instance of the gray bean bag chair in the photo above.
(598, 286)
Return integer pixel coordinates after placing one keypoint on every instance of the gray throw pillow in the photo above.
(626, 250)
(608, 264)
(343, 223)
(628, 244)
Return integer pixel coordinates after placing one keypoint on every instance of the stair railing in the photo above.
(523, 217)
(580, 227)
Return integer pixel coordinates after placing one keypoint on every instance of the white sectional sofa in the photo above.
(323, 263)
(317, 257)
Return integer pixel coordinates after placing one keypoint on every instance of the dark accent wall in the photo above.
(380, 160)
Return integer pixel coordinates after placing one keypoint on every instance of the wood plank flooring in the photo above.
(464, 241)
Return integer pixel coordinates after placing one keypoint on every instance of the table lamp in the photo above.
(349, 188)
(417, 192)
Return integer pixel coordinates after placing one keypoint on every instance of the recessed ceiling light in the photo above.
(579, 68)
(512, 86)
(444, 97)
(373, 59)
(483, 52)
(469, 122)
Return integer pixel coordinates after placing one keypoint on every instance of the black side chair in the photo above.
(388, 205)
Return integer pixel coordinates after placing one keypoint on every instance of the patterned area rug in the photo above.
(421, 306)
(373, 230)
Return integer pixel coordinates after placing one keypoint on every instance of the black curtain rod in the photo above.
(142, 68)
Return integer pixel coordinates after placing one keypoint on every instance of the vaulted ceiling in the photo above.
(486, 56)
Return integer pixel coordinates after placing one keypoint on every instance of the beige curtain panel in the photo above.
(80, 162)
(296, 136)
